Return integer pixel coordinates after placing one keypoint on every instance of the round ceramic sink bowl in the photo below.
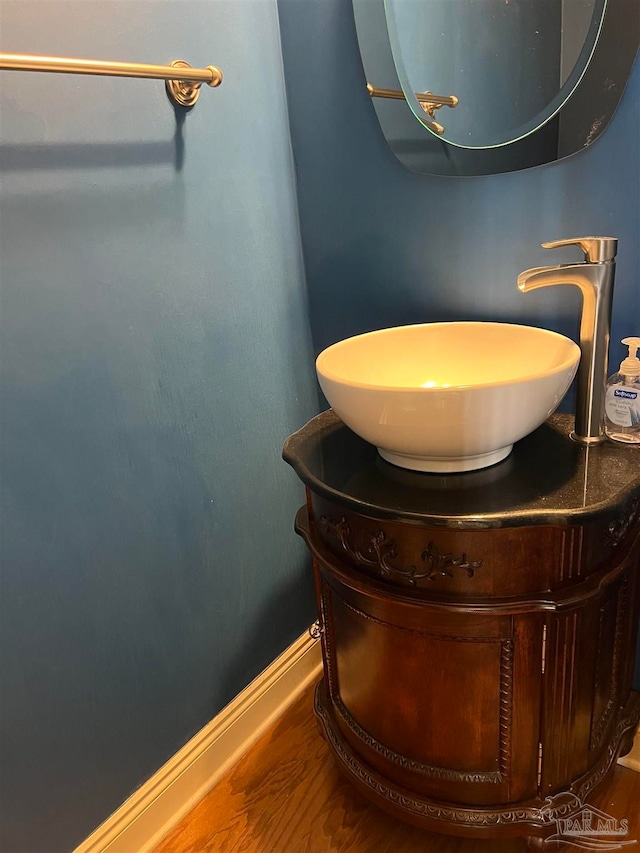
(446, 397)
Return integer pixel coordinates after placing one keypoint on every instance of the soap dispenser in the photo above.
(622, 398)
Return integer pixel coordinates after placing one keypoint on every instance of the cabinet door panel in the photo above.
(431, 709)
(414, 691)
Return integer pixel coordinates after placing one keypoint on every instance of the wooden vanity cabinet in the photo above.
(476, 681)
(433, 695)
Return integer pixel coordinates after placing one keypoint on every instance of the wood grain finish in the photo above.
(442, 745)
(477, 680)
(562, 755)
(288, 796)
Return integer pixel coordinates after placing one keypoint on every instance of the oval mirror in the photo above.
(473, 87)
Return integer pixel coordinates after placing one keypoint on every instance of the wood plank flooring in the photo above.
(287, 796)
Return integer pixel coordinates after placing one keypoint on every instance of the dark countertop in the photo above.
(547, 479)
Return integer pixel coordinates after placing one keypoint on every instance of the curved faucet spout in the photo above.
(588, 277)
(595, 281)
(536, 277)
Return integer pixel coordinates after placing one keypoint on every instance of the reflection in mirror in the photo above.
(509, 77)
(523, 82)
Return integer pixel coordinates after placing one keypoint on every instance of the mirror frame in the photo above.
(578, 122)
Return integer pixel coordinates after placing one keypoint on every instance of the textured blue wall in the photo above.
(155, 355)
(383, 245)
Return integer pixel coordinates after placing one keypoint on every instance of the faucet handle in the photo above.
(596, 249)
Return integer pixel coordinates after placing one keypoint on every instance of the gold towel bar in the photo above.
(183, 82)
(428, 101)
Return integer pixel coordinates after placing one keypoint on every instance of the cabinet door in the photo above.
(442, 704)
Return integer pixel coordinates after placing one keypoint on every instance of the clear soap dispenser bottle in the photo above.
(622, 398)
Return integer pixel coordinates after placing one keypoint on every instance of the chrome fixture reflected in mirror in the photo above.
(534, 81)
(429, 103)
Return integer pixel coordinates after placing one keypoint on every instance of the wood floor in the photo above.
(287, 796)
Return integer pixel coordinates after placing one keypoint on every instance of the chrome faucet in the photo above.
(594, 277)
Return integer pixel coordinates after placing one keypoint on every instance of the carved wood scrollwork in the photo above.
(542, 813)
(381, 550)
(619, 527)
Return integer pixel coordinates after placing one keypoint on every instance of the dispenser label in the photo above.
(622, 406)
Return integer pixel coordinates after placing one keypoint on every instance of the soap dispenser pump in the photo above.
(622, 398)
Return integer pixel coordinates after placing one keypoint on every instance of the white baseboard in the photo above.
(632, 759)
(154, 809)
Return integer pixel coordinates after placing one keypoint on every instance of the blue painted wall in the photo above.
(384, 245)
(155, 355)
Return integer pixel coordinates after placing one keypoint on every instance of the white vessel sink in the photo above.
(446, 397)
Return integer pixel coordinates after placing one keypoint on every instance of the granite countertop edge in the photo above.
(327, 422)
